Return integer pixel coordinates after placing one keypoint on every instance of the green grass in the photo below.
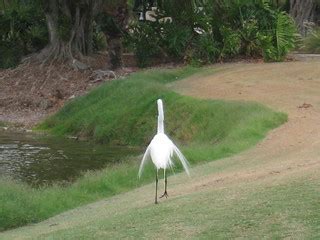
(285, 210)
(124, 112)
(20, 204)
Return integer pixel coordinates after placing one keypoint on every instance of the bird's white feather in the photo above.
(145, 159)
(182, 159)
(160, 116)
(161, 149)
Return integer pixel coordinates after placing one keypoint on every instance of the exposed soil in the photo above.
(31, 91)
(294, 88)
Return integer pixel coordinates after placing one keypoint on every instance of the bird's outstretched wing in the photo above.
(182, 159)
(145, 158)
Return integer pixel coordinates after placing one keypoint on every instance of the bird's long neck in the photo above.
(160, 117)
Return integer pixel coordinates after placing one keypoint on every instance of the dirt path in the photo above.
(289, 152)
(293, 88)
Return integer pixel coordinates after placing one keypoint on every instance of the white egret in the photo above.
(161, 151)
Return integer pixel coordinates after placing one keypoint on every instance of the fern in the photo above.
(285, 35)
(284, 38)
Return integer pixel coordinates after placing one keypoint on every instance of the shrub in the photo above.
(216, 31)
(23, 30)
(251, 38)
(282, 38)
(144, 39)
(231, 42)
(204, 50)
(176, 39)
(99, 40)
(312, 42)
(10, 53)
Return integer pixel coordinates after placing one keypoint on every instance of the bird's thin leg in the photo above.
(156, 198)
(165, 194)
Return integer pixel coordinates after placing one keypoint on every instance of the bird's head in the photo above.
(159, 102)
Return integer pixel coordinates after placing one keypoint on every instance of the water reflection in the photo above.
(41, 160)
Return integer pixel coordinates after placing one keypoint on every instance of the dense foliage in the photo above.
(57, 30)
(194, 31)
(23, 30)
(213, 31)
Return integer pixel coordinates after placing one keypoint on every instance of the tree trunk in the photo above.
(88, 28)
(302, 11)
(70, 29)
(70, 26)
(115, 20)
(115, 51)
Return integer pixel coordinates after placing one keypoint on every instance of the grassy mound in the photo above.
(124, 112)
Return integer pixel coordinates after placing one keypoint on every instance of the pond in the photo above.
(39, 160)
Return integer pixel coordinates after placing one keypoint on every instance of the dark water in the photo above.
(40, 160)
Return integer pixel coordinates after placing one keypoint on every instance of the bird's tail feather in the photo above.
(182, 159)
(145, 158)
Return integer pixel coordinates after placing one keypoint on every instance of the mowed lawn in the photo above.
(271, 206)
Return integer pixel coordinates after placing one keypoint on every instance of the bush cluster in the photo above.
(312, 41)
(23, 30)
(195, 32)
(214, 32)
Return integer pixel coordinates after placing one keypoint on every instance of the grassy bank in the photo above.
(282, 209)
(124, 112)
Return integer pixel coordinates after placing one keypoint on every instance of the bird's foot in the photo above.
(156, 202)
(165, 194)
